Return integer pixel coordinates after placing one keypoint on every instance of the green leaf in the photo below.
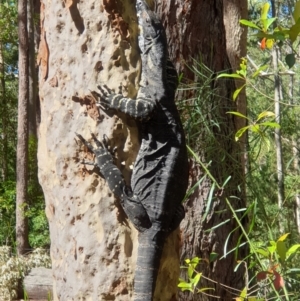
(271, 124)
(293, 249)
(243, 293)
(238, 114)
(231, 75)
(196, 279)
(264, 11)
(218, 225)
(283, 237)
(237, 92)
(294, 271)
(206, 289)
(257, 72)
(281, 249)
(195, 260)
(267, 23)
(272, 249)
(184, 284)
(265, 114)
(293, 32)
(255, 128)
(290, 60)
(213, 256)
(190, 271)
(249, 24)
(296, 13)
(263, 252)
(280, 35)
(240, 132)
(209, 201)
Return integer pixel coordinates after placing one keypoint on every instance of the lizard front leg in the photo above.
(141, 108)
(114, 178)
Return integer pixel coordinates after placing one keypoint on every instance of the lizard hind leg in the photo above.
(131, 205)
(135, 210)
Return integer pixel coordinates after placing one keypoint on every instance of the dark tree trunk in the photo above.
(3, 112)
(32, 71)
(195, 29)
(22, 146)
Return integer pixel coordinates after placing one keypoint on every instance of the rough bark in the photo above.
(22, 144)
(93, 245)
(236, 46)
(196, 29)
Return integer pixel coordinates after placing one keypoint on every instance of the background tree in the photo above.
(38, 226)
(22, 147)
(210, 131)
(278, 57)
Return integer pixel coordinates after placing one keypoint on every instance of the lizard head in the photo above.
(150, 27)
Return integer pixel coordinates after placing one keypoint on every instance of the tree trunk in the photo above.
(32, 72)
(295, 151)
(22, 145)
(195, 29)
(3, 102)
(93, 245)
(236, 45)
(278, 143)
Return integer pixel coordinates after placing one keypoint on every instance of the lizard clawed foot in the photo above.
(87, 144)
(106, 91)
(101, 151)
(104, 98)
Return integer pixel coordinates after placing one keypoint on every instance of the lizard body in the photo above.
(160, 173)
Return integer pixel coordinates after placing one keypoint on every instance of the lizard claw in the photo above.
(101, 145)
(101, 151)
(105, 91)
(104, 97)
(120, 89)
(87, 144)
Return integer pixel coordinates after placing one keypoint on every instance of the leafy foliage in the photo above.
(38, 225)
(13, 269)
(272, 265)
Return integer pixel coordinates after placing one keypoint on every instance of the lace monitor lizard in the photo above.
(160, 173)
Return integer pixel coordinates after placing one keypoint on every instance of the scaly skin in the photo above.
(160, 174)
